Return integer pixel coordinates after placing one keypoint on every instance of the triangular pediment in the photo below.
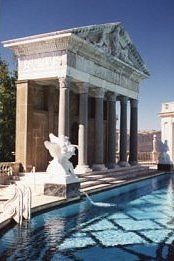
(114, 40)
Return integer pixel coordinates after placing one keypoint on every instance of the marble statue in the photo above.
(61, 150)
(163, 149)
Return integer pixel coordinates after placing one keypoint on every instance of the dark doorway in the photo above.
(74, 140)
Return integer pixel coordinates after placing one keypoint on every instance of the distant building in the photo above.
(167, 126)
(145, 145)
(147, 151)
(145, 140)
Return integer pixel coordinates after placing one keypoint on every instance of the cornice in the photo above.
(25, 47)
(166, 114)
(56, 34)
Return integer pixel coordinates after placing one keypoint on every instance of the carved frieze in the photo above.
(127, 80)
(48, 45)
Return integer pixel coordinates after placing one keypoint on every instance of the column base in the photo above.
(99, 167)
(81, 169)
(112, 165)
(133, 163)
(123, 164)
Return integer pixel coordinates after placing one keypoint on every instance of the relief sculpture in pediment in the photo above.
(116, 42)
(111, 40)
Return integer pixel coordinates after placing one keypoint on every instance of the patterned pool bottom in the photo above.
(142, 232)
(130, 253)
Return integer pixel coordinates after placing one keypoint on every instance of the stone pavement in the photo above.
(89, 182)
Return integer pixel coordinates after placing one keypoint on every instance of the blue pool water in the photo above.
(139, 227)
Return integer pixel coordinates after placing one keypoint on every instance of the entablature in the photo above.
(95, 54)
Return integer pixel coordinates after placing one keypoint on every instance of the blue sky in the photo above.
(150, 24)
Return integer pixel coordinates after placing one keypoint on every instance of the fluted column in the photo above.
(82, 166)
(133, 132)
(63, 127)
(111, 97)
(123, 132)
(99, 124)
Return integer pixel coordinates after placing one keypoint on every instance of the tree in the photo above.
(7, 113)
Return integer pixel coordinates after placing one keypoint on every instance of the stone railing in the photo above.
(148, 156)
(145, 156)
(8, 170)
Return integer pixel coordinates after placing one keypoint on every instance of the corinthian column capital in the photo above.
(83, 87)
(134, 103)
(123, 99)
(99, 92)
(64, 82)
(111, 96)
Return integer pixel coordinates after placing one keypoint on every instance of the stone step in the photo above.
(116, 170)
(107, 179)
(93, 187)
(111, 175)
(90, 184)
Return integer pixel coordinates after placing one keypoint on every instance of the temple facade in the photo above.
(68, 84)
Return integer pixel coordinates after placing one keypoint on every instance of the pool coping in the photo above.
(7, 221)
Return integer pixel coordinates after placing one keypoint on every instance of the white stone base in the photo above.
(58, 179)
(81, 169)
(99, 167)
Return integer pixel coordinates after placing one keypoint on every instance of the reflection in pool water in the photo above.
(138, 226)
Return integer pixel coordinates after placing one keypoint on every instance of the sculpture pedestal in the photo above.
(69, 190)
(165, 167)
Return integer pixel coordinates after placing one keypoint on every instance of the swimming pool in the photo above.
(139, 227)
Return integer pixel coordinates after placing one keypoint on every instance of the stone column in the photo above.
(111, 130)
(99, 146)
(63, 121)
(82, 166)
(133, 150)
(123, 132)
(24, 124)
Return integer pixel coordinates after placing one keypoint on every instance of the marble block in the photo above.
(69, 190)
